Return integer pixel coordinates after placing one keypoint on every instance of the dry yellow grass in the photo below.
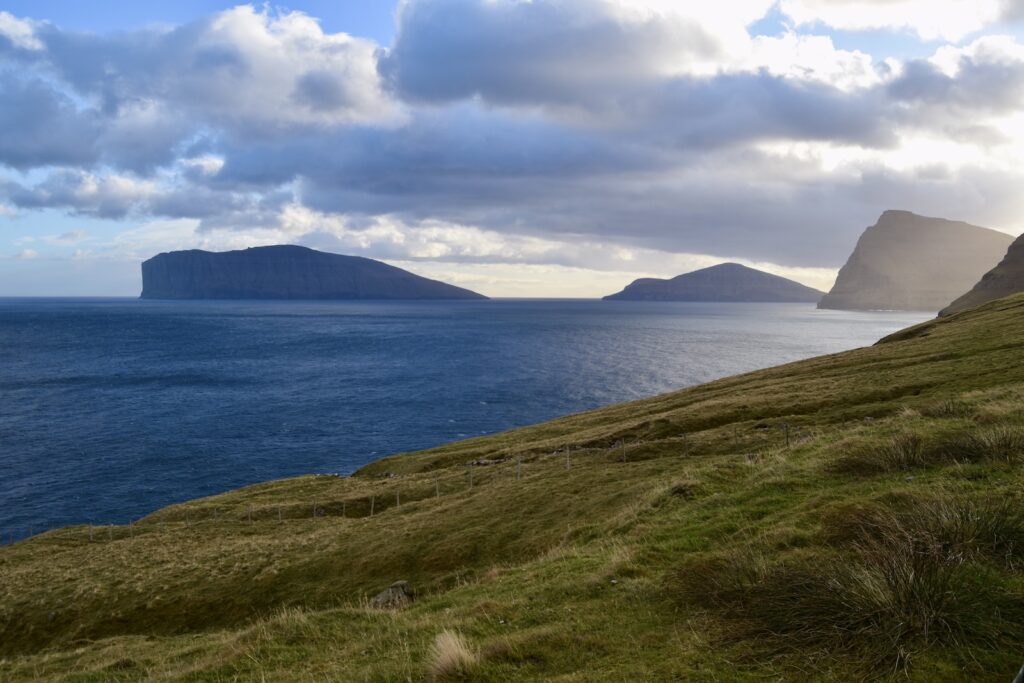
(451, 656)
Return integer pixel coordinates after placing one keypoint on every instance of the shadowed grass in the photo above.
(901, 583)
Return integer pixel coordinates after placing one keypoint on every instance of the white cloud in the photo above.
(20, 32)
(27, 254)
(813, 58)
(930, 19)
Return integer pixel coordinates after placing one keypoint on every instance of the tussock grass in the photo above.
(899, 453)
(951, 408)
(995, 444)
(903, 580)
(451, 657)
(958, 528)
(880, 605)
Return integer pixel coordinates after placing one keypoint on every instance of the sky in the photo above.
(537, 148)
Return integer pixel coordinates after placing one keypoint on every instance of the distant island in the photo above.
(726, 282)
(914, 263)
(284, 272)
(1005, 279)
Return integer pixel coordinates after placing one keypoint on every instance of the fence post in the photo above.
(398, 498)
(373, 500)
(469, 468)
(279, 516)
(568, 458)
(437, 487)
(519, 468)
(623, 444)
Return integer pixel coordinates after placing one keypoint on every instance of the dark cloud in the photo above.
(566, 52)
(980, 86)
(42, 126)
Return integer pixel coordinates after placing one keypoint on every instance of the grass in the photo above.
(901, 582)
(451, 657)
(684, 541)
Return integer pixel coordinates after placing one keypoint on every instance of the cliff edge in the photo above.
(914, 263)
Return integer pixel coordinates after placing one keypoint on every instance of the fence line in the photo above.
(617, 452)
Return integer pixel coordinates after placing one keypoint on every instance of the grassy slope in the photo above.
(704, 549)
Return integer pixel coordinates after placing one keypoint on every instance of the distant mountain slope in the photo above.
(284, 272)
(1005, 279)
(910, 262)
(724, 282)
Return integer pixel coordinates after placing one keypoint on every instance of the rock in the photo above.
(726, 282)
(914, 263)
(395, 596)
(284, 272)
(1005, 279)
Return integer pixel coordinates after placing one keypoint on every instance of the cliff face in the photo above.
(284, 272)
(727, 282)
(914, 263)
(1005, 279)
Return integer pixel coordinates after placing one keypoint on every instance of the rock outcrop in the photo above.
(1005, 279)
(914, 263)
(284, 272)
(395, 596)
(726, 282)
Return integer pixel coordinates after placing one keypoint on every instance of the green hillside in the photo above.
(855, 516)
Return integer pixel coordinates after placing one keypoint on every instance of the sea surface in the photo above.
(111, 408)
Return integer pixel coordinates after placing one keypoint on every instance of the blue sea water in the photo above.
(111, 408)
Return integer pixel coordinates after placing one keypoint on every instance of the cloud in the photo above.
(72, 237)
(241, 70)
(19, 33)
(42, 126)
(946, 20)
(104, 196)
(514, 52)
(594, 136)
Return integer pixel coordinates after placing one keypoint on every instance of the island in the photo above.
(726, 282)
(284, 272)
(914, 263)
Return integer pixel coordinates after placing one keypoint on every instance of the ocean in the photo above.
(112, 408)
